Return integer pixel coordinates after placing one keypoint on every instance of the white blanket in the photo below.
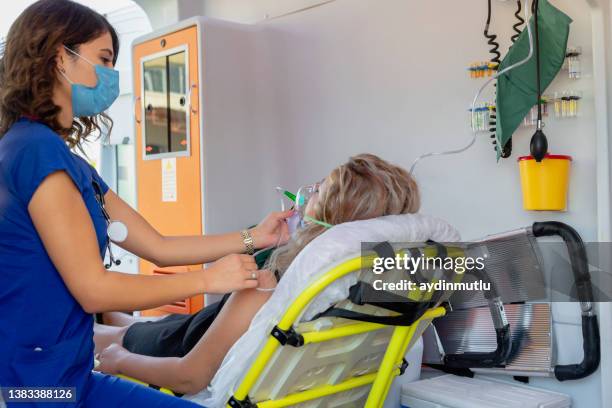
(337, 244)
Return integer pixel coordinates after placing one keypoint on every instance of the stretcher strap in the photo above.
(363, 293)
(384, 250)
(406, 318)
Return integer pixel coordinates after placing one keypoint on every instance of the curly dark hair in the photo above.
(28, 69)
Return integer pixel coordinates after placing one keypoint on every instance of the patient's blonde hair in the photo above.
(365, 187)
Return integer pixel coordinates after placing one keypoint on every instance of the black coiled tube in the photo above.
(491, 38)
(521, 21)
(495, 45)
(497, 60)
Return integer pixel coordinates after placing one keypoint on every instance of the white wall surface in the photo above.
(130, 21)
(376, 79)
(389, 77)
(160, 12)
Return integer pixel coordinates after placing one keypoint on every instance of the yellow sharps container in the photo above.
(545, 184)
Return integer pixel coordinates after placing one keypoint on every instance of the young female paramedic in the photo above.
(56, 80)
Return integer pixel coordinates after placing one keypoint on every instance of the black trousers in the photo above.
(174, 335)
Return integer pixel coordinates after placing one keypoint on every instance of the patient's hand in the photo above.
(110, 358)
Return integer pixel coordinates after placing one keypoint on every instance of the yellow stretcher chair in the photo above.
(334, 361)
(331, 361)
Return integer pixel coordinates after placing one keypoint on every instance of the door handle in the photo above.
(191, 108)
(137, 109)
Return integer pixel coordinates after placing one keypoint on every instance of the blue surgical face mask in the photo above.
(91, 101)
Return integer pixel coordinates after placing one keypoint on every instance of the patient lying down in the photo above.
(183, 352)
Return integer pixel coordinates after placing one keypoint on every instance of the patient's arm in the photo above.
(192, 373)
(202, 362)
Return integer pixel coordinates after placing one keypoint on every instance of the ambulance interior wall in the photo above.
(391, 78)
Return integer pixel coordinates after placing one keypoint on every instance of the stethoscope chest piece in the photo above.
(117, 231)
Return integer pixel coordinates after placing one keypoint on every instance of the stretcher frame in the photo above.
(391, 366)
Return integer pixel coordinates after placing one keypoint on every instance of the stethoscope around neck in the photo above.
(116, 231)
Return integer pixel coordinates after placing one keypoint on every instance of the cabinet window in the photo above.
(165, 104)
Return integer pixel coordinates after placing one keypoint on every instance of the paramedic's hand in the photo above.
(268, 231)
(109, 359)
(231, 273)
(267, 280)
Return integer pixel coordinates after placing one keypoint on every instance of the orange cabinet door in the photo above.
(183, 306)
(168, 168)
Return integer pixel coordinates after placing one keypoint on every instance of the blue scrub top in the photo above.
(46, 338)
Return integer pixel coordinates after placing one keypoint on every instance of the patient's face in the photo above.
(310, 207)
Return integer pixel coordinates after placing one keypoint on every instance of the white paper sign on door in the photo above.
(168, 179)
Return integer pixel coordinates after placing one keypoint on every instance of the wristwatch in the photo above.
(248, 242)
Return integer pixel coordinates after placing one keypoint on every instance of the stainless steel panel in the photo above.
(472, 331)
(512, 263)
